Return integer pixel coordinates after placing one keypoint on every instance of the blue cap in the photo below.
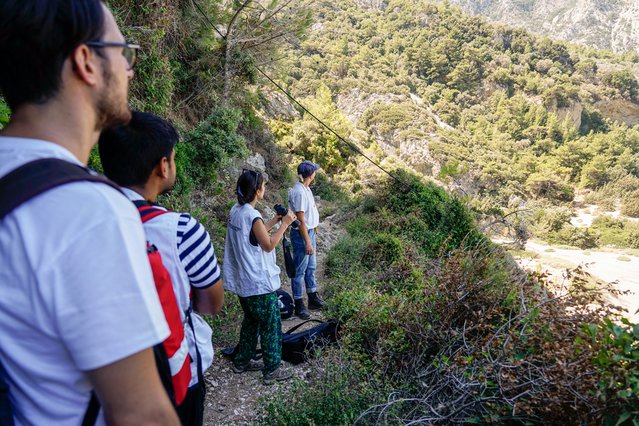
(306, 168)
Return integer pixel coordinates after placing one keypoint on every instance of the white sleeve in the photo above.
(298, 201)
(108, 307)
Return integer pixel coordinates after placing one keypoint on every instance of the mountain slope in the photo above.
(610, 24)
(499, 113)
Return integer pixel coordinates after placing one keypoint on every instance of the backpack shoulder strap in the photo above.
(148, 210)
(39, 176)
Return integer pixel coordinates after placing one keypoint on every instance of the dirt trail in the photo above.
(606, 266)
(232, 398)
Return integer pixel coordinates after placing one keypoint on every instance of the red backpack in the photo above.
(175, 345)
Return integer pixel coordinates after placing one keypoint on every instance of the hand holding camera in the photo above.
(287, 216)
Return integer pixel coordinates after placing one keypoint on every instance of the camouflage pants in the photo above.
(261, 317)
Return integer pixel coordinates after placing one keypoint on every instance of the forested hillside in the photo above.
(503, 116)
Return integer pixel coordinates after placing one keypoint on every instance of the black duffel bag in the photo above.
(298, 347)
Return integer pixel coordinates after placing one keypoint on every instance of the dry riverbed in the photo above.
(618, 267)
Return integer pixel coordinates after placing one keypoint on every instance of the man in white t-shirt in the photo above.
(303, 239)
(79, 311)
(140, 157)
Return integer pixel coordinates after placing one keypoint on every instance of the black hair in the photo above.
(36, 38)
(129, 153)
(247, 185)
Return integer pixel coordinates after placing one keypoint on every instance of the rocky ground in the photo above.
(232, 399)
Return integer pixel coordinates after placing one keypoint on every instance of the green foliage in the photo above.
(624, 81)
(429, 215)
(573, 236)
(428, 307)
(208, 147)
(630, 205)
(5, 113)
(617, 359)
(547, 220)
(616, 233)
(309, 139)
(327, 189)
(337, 398)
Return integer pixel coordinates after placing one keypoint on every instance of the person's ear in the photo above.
(164, 167)
(84, 63)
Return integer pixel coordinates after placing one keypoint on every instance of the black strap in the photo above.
(39, 176)
(301, 324)
(91, 415)
(200, 373)
(6, 407)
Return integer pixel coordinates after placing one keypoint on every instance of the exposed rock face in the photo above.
(572, 112)
(619, 110)
(605, 24)
(407, 143)
(256, 162)
(372, 4)
(278, 106)
(354, 103)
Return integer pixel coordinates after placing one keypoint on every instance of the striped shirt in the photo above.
(196, 253)
(194, 248)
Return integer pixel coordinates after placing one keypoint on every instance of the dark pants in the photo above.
(261, 317)
(191, 411)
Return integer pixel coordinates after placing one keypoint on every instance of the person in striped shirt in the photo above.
(140, 157)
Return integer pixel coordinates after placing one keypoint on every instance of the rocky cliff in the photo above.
(605, 24)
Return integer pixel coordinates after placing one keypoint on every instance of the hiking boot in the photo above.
(279, 374)
(315, 301)
(251, 366)
(300, 309)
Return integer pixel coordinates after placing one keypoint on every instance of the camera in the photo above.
(283, 211)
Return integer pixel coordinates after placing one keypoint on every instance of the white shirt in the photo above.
(248, 270)
(188, 255)
(77, 290)
(300, 199)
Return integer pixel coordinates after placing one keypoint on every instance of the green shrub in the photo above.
(615, 232)
(617, 359)
(5, 113)
(208, 147)
(630, 204)
(549, 220)
(327, 189)
(337, 397)
(573, 236)
(383, 251)
(426, 213)
(624, 81)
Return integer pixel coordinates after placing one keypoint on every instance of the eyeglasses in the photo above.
(129, 51)
(254, 173)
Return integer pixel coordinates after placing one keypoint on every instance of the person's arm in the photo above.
(304, 233)
(131, 393)
(269, 242)
(209, 300)
(271, 223)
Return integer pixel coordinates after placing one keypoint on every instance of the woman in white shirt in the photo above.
(250, 271)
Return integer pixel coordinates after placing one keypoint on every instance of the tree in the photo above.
(311, 140)
(624, 81)
(252, 33)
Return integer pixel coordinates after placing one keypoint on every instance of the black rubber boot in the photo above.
(300, 309)
(315, 301)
